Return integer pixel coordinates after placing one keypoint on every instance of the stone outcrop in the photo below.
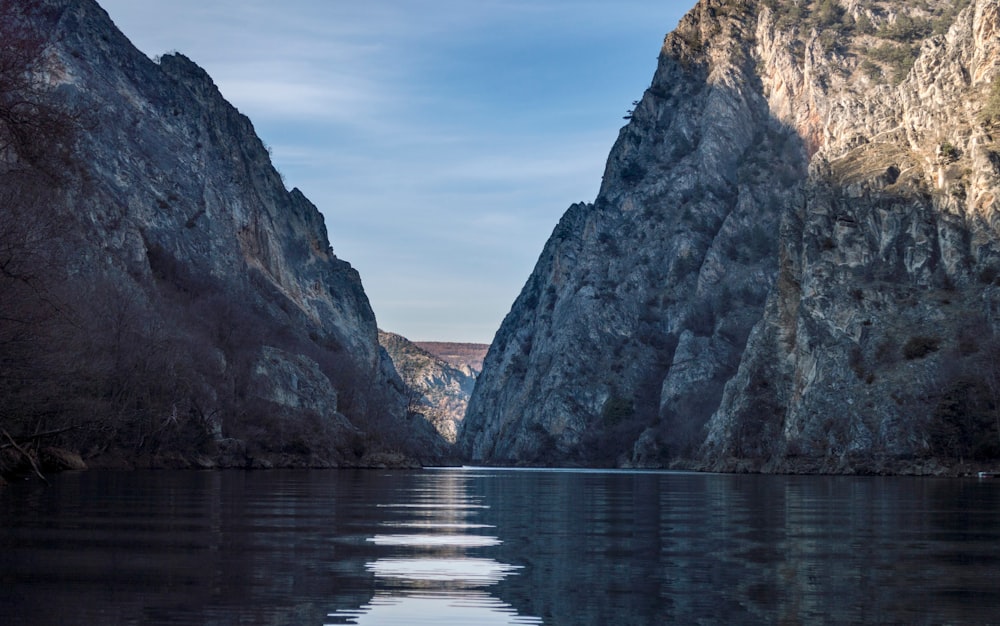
(201, 308)
(790, 265)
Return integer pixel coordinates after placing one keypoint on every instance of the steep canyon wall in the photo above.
(790, 265)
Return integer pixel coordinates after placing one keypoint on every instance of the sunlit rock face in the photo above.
(177, 236)
(436, 389)
(791, 263)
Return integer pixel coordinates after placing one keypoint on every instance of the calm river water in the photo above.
(486, 546)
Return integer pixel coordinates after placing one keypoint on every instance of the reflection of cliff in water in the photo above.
(582, 548)
(640, 548)
(433, 563)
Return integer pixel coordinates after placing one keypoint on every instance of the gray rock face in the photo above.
(293, 381)
(790, 254)
(241, 320)
(436, 389)
(875, 351)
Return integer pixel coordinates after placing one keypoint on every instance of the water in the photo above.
(480, 546)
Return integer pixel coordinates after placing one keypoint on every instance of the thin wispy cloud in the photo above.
(278, 97)
(441, 139)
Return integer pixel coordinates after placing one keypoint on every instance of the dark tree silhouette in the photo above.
(36, 139)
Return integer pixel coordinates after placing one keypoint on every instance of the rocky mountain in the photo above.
(436, 388)
(164, 299)
(792, 261)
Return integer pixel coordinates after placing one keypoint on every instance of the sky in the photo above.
(441, 139)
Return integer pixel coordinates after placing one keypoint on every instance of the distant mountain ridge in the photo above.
(469, 355)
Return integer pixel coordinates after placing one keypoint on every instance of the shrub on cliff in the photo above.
(617, 409)
(919, 346)
(990, 115)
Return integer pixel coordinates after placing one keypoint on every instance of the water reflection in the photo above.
(456, 573)
(438, 575)
(470, 608)
(497, 547)
(464, 541)
(627, 548)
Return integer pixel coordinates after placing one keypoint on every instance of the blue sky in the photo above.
(441, 139)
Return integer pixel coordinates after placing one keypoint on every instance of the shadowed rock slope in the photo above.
(182, 307)
(792, 261)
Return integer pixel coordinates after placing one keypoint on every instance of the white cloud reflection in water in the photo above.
(464, 541)
(437, 574)
(476, 607)
(435, 590)
(458, 573)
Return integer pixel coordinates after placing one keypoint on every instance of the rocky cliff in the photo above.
(436, 389)
(181, 306)
(791, 263)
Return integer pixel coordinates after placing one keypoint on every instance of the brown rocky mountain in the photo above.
(470, 355)
(791, 263)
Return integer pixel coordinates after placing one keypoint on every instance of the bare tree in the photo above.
(36, 132)
(36, 139)
(990, 365)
